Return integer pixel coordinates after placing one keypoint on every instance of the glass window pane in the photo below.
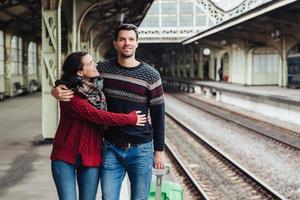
(1, 53)
(186, 20)
(169, 21)
(20, 60)
(210, 22)
(186, 8)
(200, 20)
(151, 21)
(1, 68)
(199, 11)
(169, 8)
(1, 38)
(154, 9)
(32, 62)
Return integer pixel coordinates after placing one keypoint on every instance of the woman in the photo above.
(76, 152)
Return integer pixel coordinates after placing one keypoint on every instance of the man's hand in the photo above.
(159, 160)
(62, 93)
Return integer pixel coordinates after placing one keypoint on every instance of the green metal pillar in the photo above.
(200, 64)
(184, 65)
(39, 65)
(25, 46)
(218, 66)
(284, 63)
(51, 64)
(212, 65)
(7, 69)
(178, 65)
(173, 63)
(192, 70)
(72, 34)
(2, 61)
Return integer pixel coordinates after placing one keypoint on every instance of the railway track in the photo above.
(207, 172)
(281, 136)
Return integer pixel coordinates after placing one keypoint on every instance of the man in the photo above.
(129, 84)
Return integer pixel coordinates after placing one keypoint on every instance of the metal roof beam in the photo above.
(235, 21)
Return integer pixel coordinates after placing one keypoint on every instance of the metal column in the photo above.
(51, 64)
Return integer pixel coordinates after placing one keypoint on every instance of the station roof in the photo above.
(23, 17)
(276, 17)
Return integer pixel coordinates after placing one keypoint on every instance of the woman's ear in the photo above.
(79, 73)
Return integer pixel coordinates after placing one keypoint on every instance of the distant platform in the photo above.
(271, 101)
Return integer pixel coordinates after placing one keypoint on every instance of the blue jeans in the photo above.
(136, 161)
(64, 175)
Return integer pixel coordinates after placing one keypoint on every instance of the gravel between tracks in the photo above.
(277, 166)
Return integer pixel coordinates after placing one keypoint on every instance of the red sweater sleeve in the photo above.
(82, 109)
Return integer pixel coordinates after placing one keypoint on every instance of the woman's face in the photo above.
(89, 69)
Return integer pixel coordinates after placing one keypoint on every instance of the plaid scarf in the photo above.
(92, 90)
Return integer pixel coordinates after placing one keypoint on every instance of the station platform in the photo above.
(273, 104)
(25, 171)
(275, 93)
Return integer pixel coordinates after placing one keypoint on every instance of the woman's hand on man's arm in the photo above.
(62, 93)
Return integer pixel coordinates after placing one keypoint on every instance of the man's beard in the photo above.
(123, 55)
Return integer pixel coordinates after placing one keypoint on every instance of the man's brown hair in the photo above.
(127, 27)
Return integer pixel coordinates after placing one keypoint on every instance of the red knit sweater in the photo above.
(77, 132)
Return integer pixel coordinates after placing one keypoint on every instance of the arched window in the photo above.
(266, 62)
(16, 56)
(20, 56)
(186, 14)
(1, 53)
(32, 58)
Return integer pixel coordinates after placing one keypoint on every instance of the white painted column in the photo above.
(284, 63)
(217, 78)
(212, 65)
(51, 65)
(249, 71)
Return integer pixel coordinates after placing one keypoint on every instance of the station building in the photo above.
(251, 43)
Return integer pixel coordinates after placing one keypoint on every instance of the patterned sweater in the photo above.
(136, 88)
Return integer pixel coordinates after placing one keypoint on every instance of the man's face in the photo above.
(126, 43)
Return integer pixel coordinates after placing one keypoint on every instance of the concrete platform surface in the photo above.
(25, 166)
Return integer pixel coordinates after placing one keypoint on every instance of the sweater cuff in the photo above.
(158, 147)
(132, 118)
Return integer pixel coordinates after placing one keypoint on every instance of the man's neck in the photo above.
(128, 62)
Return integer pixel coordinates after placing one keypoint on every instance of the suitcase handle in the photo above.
(162, 172)
(159, 173)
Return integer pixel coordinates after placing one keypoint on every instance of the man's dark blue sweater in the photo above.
(134, 88)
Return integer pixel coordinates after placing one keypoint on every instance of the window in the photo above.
(186, 8)
(186, 20)
(1, 53)
(168, 21)
(201, 20)
(32, 58)
(154, 9)
(14, 56)
(169, 8)
(151, 21)
(186, 14)
(20, 56)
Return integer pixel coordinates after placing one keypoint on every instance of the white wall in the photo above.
(265, 67)
(237, 66)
